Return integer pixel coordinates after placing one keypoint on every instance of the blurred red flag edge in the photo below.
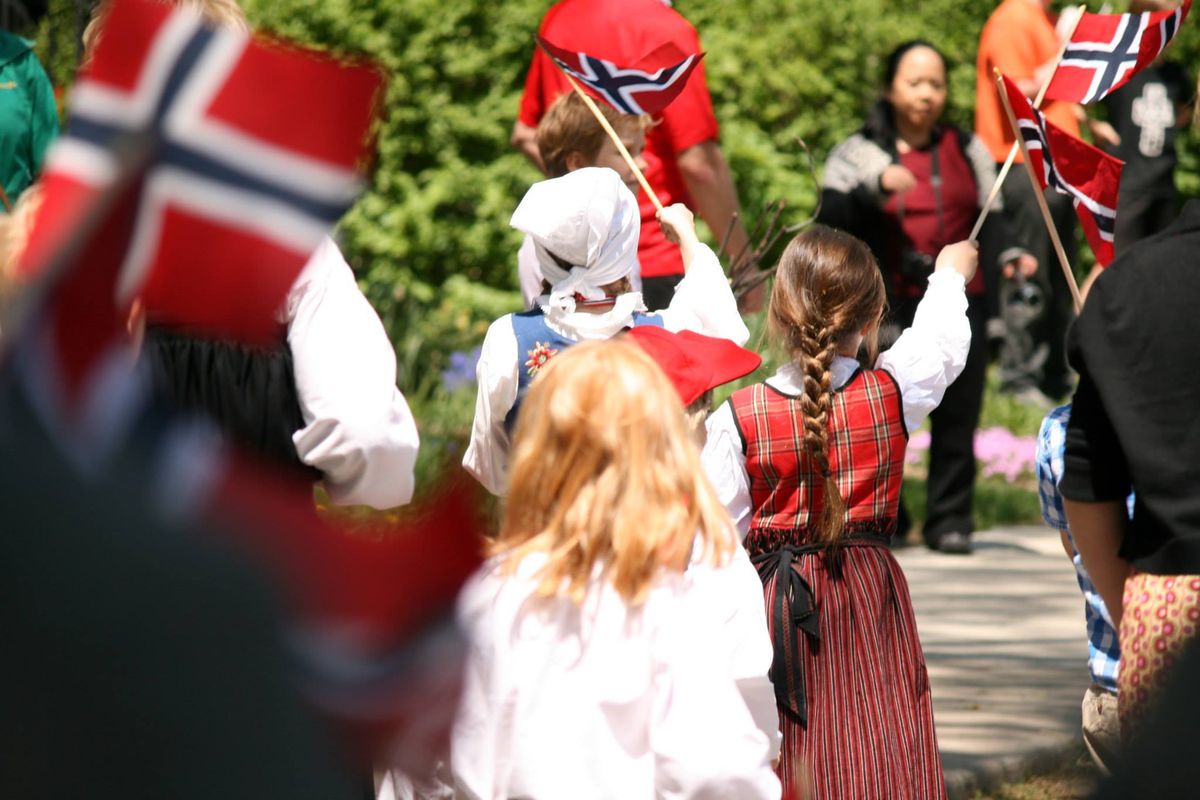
(373, 612)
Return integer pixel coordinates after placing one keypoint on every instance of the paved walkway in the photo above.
(1005, 644)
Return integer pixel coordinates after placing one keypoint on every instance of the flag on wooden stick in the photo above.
(1107, 49)
(1086, 174)
(646, 87)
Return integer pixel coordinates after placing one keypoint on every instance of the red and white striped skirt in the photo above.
(869, 731)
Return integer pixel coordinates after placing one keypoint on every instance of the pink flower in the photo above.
(998, 449)
(1003, 453)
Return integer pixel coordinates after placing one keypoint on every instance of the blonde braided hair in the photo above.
(828, 288)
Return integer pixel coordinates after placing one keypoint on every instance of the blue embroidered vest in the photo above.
(537, 343)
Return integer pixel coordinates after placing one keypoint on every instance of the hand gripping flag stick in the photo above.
(1012, 153)
(1038, 193)
(612, 134)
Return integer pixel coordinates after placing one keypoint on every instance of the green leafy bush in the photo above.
(430, 239)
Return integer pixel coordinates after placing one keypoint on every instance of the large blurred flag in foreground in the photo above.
(198, 172)
(1107, 49)
(1086, 174)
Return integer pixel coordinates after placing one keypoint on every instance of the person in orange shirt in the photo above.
(1020, 40)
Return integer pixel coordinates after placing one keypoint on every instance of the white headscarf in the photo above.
(589, 219)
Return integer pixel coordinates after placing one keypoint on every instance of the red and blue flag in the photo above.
(1086, 174)
(646, 87)
(198, 171)
(1107, 49)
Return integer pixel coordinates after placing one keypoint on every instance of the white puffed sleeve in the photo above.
(358, 430)
(704, 302)
(705, 741)
(487, 453)
(932, 352)
(725, 465)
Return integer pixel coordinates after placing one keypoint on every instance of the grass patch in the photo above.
(1001, 410)
(998, 503)
(1074, 778)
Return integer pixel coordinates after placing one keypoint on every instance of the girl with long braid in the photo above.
(809, 464)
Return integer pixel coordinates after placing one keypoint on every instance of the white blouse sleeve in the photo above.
(487, 453)
(725, 465)
(704, 302)
(932, 352)
(358, 430)
(705, 741)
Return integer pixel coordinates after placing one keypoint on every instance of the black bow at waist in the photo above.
(794, 609)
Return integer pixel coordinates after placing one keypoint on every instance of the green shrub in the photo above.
(447, 179)
(430, 239)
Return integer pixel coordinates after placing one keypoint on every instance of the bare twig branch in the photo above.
(746, 270)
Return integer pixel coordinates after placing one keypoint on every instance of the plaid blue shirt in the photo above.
(1104, 649)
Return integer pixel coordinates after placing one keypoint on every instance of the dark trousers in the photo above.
(657, 292)
(1141, 215)
(950, 487)
(1034, 352)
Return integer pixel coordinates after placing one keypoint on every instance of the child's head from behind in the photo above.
(221, 13)
(584, 227)
(569, 137)
(828, 296)
(828, 292)
(604, 473)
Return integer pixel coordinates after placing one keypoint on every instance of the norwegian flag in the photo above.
(1086, 174)
(1107, 49)
(198, 172)
(647, 87)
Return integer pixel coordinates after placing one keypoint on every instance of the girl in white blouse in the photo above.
(809, 465)
(585, 226)
(593, 670)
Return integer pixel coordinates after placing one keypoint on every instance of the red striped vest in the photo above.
(867, 440)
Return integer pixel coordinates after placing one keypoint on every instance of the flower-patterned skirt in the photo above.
(1162, 614)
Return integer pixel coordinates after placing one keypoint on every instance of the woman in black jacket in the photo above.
(908, 184)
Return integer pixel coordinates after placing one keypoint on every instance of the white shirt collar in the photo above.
(789, 379)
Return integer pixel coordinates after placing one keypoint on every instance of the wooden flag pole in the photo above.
(599, 115)
(1012, 153)
(1038, 193)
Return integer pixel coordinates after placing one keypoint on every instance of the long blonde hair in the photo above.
(605, 476)
(828, 288)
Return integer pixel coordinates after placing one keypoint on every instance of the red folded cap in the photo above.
(694, 362)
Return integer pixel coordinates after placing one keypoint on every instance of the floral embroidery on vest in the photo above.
(539, 356)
